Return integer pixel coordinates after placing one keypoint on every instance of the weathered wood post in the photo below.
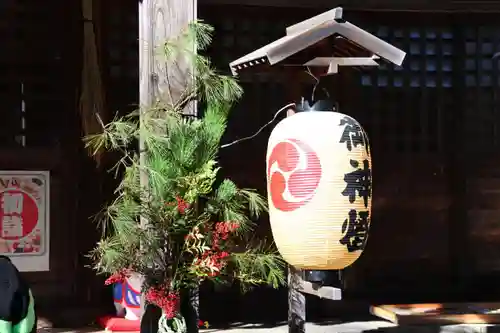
(296, 299)
(296, 302)
(298, 284)
(159, 21)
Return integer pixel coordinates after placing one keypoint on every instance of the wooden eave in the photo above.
(303, 38)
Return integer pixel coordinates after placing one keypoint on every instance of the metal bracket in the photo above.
(333, 63)
(297, 287)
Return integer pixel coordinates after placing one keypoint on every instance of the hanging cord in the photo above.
(260, 129)
(308, 71)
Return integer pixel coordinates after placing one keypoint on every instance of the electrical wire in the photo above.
(260, 129)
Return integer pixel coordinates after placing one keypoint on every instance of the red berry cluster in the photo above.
(118, 277)
(180, 203)
(166, 300)
(222, 231)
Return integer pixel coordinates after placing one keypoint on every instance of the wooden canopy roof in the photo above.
(326, 40)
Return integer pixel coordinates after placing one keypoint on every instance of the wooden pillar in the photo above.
(296, 299)
(296, 302)
(297, 284)
(159, 21)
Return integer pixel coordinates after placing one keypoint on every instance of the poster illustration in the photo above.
(24, 218)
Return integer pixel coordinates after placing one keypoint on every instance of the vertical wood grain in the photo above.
(159, 21)
(296, 302)
(296, 299)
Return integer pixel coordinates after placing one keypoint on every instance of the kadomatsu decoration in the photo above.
(198, 227)
(319, 185)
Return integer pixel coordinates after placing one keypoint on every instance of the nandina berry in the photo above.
(222, 231)
(181, 205)
(223, 255)
(167, 301)
(118, 277)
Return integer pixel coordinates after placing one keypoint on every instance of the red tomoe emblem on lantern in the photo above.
(293, 172)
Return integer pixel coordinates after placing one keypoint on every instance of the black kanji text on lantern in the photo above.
(358, 182)
(353, 135)
(355, 230)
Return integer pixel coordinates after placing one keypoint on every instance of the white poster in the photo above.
(24, 219)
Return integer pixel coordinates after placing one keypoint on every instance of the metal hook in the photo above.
(318, 81)
(315, 85)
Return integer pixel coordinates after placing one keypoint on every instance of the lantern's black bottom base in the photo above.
(324, 278)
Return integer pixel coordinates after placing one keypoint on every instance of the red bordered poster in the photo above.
(24, 218)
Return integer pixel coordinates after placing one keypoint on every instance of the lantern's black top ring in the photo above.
(321, 105)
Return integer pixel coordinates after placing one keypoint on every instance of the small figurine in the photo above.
(127, 298)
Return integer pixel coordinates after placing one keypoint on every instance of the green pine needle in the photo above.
(181, 168)
(260, 265)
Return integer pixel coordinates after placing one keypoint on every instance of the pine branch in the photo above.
(182, 196)
(116, 135)
(256, 203)
(259, 265)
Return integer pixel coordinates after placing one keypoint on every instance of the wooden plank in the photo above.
(326, 292)
(439, 313)
(392, 5)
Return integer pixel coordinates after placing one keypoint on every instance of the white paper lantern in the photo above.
(319, 189)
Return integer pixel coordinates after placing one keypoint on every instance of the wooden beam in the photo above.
(331, 15)
(325, 292)
(159, 79)
(296, 299)
(371, 5)
(342, 61)
(297, 286)
(296, 302)
(159, 21)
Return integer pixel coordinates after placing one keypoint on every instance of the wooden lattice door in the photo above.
(423, 120)
(406, 112)
(39, 78)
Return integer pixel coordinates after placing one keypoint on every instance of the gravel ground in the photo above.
(352, 327)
